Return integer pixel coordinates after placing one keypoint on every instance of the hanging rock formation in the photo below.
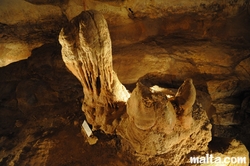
(86, 51)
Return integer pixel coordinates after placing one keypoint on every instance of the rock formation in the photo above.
(129, 21)
(86, 51)
(145, 109)
(157, 121)
(153, 127)
(40, 100)
(185, 97)
(25, 26)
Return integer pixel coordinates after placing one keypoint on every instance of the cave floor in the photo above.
(40, 116)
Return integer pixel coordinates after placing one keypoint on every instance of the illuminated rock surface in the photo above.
(86, 51)
(31, 23)
(40, 101)
(153, 128)
(25, 26)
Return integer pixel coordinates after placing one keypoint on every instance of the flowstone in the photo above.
(86, 51)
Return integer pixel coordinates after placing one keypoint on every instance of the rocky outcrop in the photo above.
(86, 51)
(145, 109)
(243, 69)
(228, 112)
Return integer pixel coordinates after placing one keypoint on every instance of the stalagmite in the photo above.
(86, 51)
(185, 98)
(153, 127)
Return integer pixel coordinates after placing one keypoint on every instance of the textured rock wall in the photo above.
(27, 24)
(86, 51)
(218, 68)
(131, 21)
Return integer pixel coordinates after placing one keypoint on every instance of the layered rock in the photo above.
(25, 26)
(86, 51)
(129, 21)
(228, 112)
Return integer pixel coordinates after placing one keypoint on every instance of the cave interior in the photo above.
(41, 101)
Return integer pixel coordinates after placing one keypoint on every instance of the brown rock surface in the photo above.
(206, 40)
(152, 126)
(228, 112)
(188, 58)
(145, 109)
(243, 69)
(28, 24)
(25, 26)
(231, 152)
(153, 129)
(186, 96)
(53, 124)
(86, 51)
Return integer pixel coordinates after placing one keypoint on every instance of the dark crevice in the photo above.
(98, 85)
